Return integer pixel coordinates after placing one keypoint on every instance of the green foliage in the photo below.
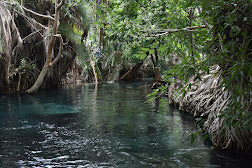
(232, 29)
(129, 25)
(228, 44)
(77, 12)
(27, 69)
(77, 18)
(127, 20)
(196, 134)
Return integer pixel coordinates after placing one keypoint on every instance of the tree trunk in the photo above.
(157, 75)
(132, 72)
(10, 41)
(39, 80)
(50, 52)
(155, 64)
(92, 63)
(6, 30)
(101, 32)
(191, 34)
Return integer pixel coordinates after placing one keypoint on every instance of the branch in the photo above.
(191, 13)
(60, 5)
(33, 23)
(30, 35)
(221, 42)
(173, 30)
(162, 32)
(152, 59)
(39, 15)
(204, 22)
(154, 31)
(210, 27)
(9, 3)
(59, 55)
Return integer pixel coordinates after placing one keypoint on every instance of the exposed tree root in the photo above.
(10, 42)
(37, 43)
(207, 99)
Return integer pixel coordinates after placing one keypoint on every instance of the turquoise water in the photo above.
(108, 125)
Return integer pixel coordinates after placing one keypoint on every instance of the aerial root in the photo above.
(207, 99)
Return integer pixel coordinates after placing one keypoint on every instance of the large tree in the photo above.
(49, 43)
(10, 42)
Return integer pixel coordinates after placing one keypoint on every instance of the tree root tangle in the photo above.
(207, 99)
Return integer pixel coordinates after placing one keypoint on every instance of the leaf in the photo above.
(170, 71)
(139, 55)
(191, 71)
(198, 76)
(145, 49)
(183, 92)
(194, 136)
(151, 51)
(151, 96)
(206, 136)
(164, 101)
(189, 86)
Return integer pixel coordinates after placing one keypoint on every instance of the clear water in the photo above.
(108, 125)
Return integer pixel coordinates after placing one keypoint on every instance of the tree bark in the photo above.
(101, 32)
(157, 75)
(155, 64)
(132, 72)
(92, 63)
(163, 32)
(10, 41)
(50, 52)
(191, 34)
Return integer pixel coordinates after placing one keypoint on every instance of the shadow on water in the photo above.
(107, 125)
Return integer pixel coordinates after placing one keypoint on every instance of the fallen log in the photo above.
(131, 74)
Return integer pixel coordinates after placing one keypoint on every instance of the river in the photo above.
(109, 125)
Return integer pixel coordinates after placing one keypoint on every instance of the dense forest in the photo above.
(198, 53)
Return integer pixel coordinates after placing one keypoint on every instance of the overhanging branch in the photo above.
(38, 14)
(162, 32)
(60, 4)
(59, 55)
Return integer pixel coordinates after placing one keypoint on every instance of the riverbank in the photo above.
(206, 100)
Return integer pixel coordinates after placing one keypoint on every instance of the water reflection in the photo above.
(106, 125)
